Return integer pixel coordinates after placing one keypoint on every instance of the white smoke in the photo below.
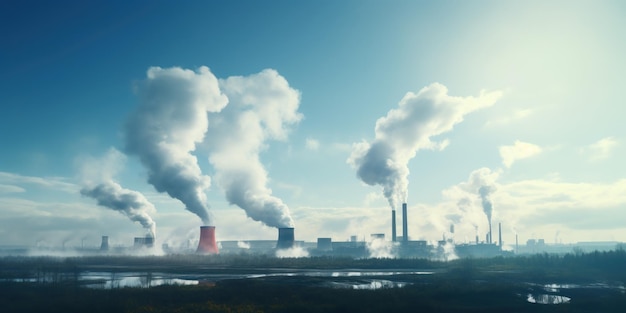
(295, 252)
(379, 248)
(470, 202)
(408, 129)
(261, 107)
(166, 126)
(243, 245)
(131, 203)
(449, 251)
(97, 177)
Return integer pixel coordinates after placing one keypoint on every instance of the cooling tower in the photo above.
(104, 246)
(405, 230)
(285, 238)
(207, 242)
(393, 225)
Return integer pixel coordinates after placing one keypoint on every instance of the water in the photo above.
(542, 298)
(552, 297)
(143, 280)
(352, 279)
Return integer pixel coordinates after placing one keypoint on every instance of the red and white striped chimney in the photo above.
(207, 242)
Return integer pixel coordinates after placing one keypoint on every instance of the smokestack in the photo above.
(285, 238)
(500, 235)
(104, 246)
(490, 238)
(393, 225)
(405, 230)
(516, 245)
(207, 242)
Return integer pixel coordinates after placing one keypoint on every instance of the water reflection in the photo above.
(542, 298)
(558, 287)
(352, 278)
(371, 284)
(122, 280)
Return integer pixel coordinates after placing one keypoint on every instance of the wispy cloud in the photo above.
(10, 189)
(519, 150)
(55, 183)
(511, 118)
(601, 149)
(312, 144)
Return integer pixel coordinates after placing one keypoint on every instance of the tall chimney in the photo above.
(516, 245)
(285, 238)
(207, 242)
(393, 225)
(500, 235)
(489, 238)
(405, 230)
(104, 246)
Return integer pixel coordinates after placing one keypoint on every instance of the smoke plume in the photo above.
(483, 182)
(166, 126)
(261, 107)
(485, 192)
(131, 203)
(97, 176)
(408, 129)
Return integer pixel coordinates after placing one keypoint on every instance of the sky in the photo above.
(132, 117)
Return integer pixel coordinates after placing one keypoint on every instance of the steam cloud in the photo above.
(170, 120)
(128, 202)
(98, 183)
(485, 192)
(483, 181)
(261, 107)
(408, 129)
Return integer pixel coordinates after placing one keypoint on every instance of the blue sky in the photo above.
(71, 71)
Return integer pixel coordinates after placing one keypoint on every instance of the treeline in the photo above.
(608, 264)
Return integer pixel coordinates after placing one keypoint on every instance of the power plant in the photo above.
(207, 243)
(286, 238)
(352, 247)
(104, 246)
(143, 242)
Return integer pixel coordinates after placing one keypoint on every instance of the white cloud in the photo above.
(54, 183)
(601, 149)
(519, 150)
(10, 189)
(312, 144)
